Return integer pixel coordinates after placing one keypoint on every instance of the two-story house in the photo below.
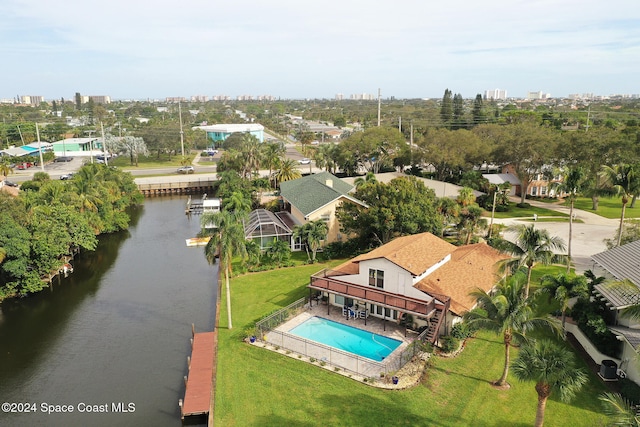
(419, 275)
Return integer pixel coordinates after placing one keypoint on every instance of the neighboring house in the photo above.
(316, 197)
(501, 178)
(539, 185)
(78, 147)
(218, 133)
(419, 275)
(622, 262)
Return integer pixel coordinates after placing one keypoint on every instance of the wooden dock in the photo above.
(199, 383)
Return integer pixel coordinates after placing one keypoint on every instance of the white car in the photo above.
(186, 169)
(304, 161)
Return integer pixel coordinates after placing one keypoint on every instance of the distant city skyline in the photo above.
(410, 49)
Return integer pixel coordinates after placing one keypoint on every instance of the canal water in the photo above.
(113, 337)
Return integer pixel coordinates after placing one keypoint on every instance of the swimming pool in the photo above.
(346, 338)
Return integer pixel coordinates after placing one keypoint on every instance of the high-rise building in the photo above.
(31, 100)
(495, 94)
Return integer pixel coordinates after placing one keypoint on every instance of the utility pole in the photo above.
(181, 132)
(493, 210)
(378, 107)
(400, 124)
(39, 148)
(104, 146)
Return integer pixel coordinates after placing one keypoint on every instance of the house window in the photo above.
(534, 191)
(376, 278)
(543, 191)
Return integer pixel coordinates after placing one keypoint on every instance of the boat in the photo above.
(198, 241)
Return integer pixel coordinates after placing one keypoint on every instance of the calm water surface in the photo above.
(115, 332)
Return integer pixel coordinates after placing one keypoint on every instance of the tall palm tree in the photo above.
(369, 177)
(562, 288)
(288, 171)
(238, 203)
(272, 153)
(553, 369)
(509, 313)
(449, 210)
(573, 181)
(226, 242)
(532, 246)
(619, 410)
(625, 181)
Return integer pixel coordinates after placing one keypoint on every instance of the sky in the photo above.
(134, 49)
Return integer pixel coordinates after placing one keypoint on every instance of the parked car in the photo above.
(304, 161)
(186, 169)
(10, 184)
(66, 176)
(209, 152)
(63, 159)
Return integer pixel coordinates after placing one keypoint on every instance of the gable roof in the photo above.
(310, 193)
(414, 253)
(471, 267)
(622, 262)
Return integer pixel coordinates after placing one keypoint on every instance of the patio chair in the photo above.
(363, 314)
(345, 311)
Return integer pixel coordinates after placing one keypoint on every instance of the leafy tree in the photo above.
(529, 149)
(507, 312)
(532, 246)
(562, 288)
(478, 112)
(625, 181)
(446, 108)
(130, 145)
(374, 148)
(553, 369)
(226, 242)
(458, 112)
(403, 206)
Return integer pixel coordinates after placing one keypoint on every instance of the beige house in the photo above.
(316, 197)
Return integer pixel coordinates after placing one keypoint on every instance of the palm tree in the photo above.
(625, 182)
(311, 234)
(279, 251)
(237, 202)
(271, 155)
(465, 197)
(470, 222)
(619, 410)
(369, 177)
(287, 171)
(564, 287)
(227, 241)
(552, 367)
(449, 210)
(509, 313)
(532, 246)
(571, 184)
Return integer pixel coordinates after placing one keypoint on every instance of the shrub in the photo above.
(461, 331)
(630, 390)
(449, 344)
(524, 205)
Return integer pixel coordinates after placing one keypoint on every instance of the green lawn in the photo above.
(262, 388)
(516, 212)
(608, 207)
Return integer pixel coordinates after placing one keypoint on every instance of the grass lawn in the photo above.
(607, 207)
(149, 162)
(516, 212)
(259, 387)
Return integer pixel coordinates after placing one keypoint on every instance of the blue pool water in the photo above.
(346, 338)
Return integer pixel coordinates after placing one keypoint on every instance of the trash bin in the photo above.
(608, 369)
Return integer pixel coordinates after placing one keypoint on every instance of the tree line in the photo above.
(52, 219)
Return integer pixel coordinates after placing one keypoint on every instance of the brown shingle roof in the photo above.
(471, 267)
(415, 253)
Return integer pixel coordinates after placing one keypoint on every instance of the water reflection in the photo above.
(116, 330)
